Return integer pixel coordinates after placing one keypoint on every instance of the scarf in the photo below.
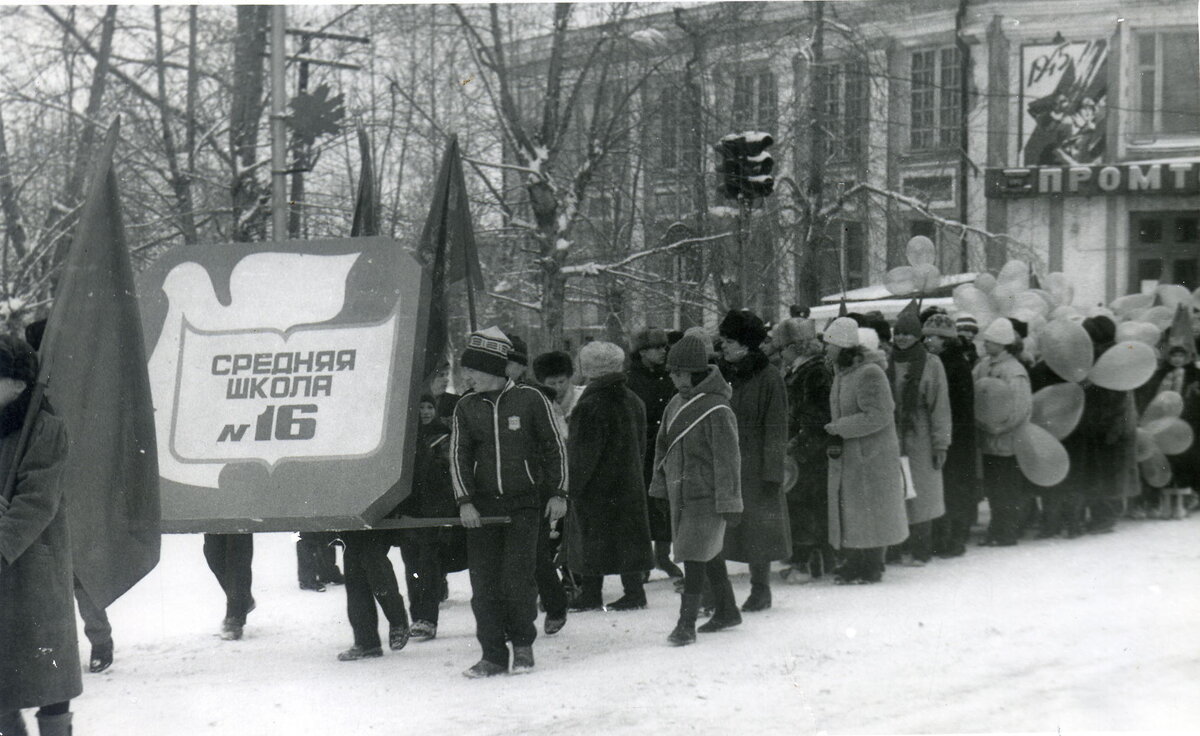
(745, 368)
(910, 391)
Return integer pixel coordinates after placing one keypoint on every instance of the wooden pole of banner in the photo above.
(279, 203)
(471, 302)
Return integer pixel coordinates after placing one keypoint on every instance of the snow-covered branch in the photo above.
(592, 268)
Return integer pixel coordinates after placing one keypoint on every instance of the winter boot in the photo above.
(355, 653)
(662, 560)
(11, 724)
(56, 725)
(484, 668)
(522, 661)
(727, 614)
(398, 637)
(685, 629)
(635, 594)
(589, 599)
(760, 598)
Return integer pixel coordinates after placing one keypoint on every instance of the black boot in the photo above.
(12, 723)
(101, 659)
(589, 598)
(685, 628)
(760, 598)
(727, 614)
(55, 725)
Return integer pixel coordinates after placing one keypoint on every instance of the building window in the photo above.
(844, 91)
(1168, 96)
(935, 109)
(755, 103)
(848, 241)
(671, 115)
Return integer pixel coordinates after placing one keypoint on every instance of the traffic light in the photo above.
(745, 165)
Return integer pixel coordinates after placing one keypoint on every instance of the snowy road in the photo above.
(1100, 633)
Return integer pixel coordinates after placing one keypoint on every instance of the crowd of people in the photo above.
(835, 452)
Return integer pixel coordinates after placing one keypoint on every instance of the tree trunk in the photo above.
(14, 225)
(692, 260)
(193, 91)
(249, 195)
(180, 183)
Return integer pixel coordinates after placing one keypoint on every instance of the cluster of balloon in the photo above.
(1160, 433)
(920, 275)
(1013, 293)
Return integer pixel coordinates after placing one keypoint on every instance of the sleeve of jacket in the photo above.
(937, 398)
(590, 426)
(38, 492)
(721, 429)
(638, 409)
(1022, 398)
(876, 408)
(551, 444)
(462, 455)
(775, 429)
(658, 484)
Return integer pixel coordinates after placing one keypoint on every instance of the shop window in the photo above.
(935, 109)
(1164, 249)
(1168, 95)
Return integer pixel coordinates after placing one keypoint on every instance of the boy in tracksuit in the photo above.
(503, 442)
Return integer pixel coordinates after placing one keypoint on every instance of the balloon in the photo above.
(928, 277)
(1031, 301)
(971, 300)
(1161, 317)
(1066, 312)
(920, 251)
(1126, 305)
(1014, 274)
(900, 280)
(1163, 406)
(1171, 435)
(1057, 284)
(1049, 299)
(1067, 349)
(985, 282)
(1171, 294)
(1057, 409)
(1124, 366)
(1139, 332)
(1041, 457)
(1145, 445)
(1004, 299)
(1156, 471)
(993, 402)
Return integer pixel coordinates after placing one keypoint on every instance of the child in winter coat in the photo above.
(697, 468)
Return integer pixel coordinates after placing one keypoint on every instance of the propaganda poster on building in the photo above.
(282, 376)
(1063, 99)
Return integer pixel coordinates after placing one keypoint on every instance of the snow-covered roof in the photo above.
(890, 308)
(879, 291)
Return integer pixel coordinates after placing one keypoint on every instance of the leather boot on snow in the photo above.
(56, 725)
(101, 659)
(685, 628)
(759, 600)
(11, 723)
(726, 615)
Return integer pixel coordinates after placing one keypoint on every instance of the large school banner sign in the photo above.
(283, 376)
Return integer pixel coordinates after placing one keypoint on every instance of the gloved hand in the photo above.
(732, 518)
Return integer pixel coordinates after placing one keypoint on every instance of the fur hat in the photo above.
(743, 326)
(793, 330)
(689, 354)
(548, 365)
(599, 358)
(940, 325)
(868, 338)
(1000, 331)
(487, 351)
(842, 333)
(651, 337)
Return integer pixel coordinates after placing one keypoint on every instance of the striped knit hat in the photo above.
(966, 322)
(487, 351)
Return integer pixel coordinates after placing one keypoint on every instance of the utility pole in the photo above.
(279, 204)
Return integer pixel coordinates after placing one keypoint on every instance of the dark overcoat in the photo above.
(39, 651)
(607, 532)
(960, 474)
(759, 402)
(655, 389)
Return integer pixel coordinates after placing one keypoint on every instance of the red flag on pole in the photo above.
(448, 245)
(366, 204)
(93, 365)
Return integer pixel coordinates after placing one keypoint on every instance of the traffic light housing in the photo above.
(746, 165)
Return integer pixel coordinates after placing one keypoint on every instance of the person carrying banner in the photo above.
(504, 443)
(39, 666)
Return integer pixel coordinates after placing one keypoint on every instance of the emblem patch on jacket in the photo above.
(514, 423)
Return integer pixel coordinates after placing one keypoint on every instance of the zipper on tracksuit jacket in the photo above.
(496, 434)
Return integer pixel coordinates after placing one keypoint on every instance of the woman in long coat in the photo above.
(696, 469)
(923, 417)
(607, 532)
(760, 403)
(866, 487)
(39, 651)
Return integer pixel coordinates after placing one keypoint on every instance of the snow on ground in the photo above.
(1099, 633)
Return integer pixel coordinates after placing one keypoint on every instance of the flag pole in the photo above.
(471, 302)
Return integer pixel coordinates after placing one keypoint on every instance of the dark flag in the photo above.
(93, 368)
(448, 246)
(366, 204)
